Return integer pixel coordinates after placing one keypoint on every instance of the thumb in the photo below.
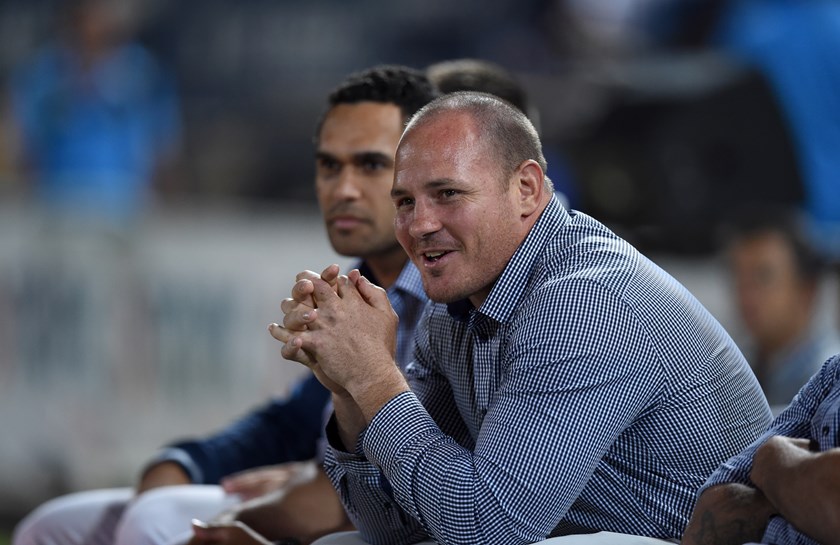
(373, 294)
(330, 274)
(203, 533)
(323, 291)
(232, 484)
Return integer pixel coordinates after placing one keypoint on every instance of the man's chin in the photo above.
(349, 247)
(442, 294)
(364, 247)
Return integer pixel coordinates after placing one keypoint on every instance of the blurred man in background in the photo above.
(96, 117)
(488, 77)
(777, 278)
(485, 77)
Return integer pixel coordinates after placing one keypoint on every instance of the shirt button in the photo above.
(825, 430)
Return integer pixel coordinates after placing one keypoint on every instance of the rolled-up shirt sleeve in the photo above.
(794, 421)
(797, 420)
(366, 494)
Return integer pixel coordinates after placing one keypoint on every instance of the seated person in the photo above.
(561, 384)
(447, 76)
(357, 138)
(784, 488)
(777, 278)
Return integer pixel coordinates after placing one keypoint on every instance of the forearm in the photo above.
(728, 514)
(349, 421)
(370, 508)
(373, 392)
(803, 485)
(162, 474)
(304, 511)
(431, 474)
(356, 408)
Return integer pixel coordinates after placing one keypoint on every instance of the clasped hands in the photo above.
(341, 327)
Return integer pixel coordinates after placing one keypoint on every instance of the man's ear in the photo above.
(531, 184)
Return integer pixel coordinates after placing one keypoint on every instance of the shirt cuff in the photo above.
(781, 531)
(397, 436)
(736, 469)
(338, 446)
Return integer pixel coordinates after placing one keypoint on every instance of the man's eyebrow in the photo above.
(431, 184)
(377, 156)
(440, 182)
(360, 157)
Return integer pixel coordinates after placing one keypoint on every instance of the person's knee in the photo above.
(34, 529)
(83, 517)
(159, 515)
(141, 524)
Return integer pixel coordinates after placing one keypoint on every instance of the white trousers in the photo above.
(116, 517)
(600, 538)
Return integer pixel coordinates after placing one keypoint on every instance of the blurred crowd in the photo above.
(662, 116)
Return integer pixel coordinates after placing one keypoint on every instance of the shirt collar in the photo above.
(509, 289)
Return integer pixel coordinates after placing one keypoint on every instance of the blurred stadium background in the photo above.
(115, 339)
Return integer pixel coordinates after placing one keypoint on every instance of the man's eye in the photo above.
(328, 165)
(372, 166)
(403, 202)
(448, 193)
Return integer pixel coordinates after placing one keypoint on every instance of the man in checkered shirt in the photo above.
(785, 487)
(561, 382)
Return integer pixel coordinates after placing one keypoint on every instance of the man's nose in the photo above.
(424, 220)
(347, 187)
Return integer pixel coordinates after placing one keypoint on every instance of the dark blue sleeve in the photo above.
(283, 430)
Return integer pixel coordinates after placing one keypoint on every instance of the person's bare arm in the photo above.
(728, 514)
(162, 474)
(349, 419)
(301, 512)
(305, 512)
(232, 533)
(804, 485)
(259, 481)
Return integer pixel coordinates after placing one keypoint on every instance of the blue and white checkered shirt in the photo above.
(813, 414)
(590, 391)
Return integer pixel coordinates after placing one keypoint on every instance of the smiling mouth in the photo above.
(432, 257)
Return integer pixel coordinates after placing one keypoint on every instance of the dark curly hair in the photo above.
(405, 87)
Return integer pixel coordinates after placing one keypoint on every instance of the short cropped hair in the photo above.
(407, 88)
(505, 129)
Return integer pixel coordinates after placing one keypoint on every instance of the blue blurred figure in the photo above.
(796, 45)
(96, 115)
